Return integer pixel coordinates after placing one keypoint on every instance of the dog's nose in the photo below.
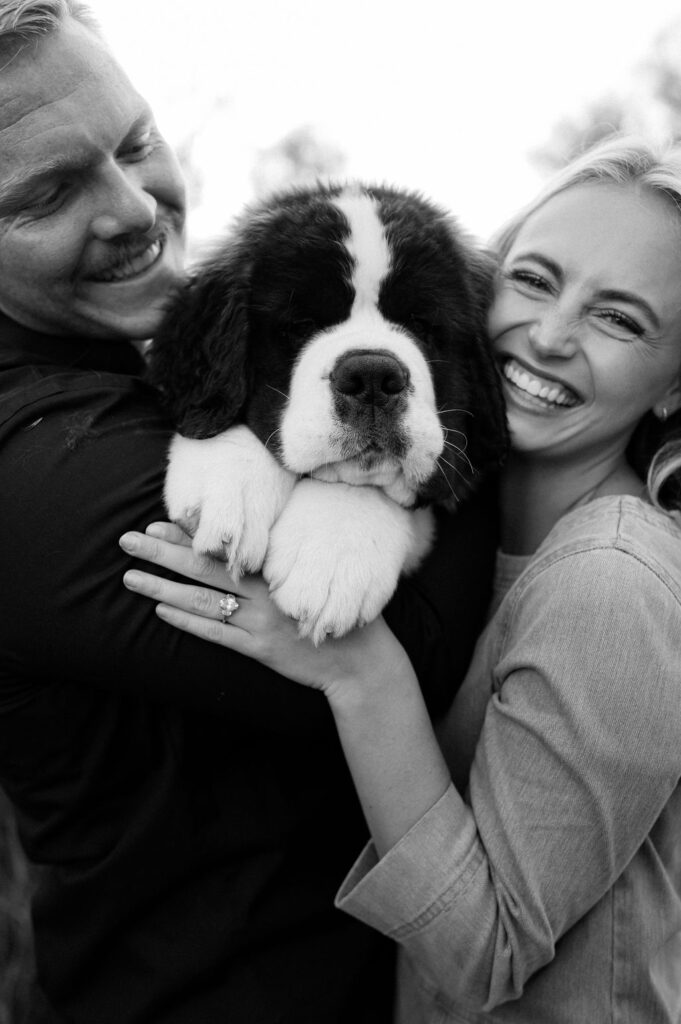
(371, 377)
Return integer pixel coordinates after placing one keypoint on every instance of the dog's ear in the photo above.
(488, 432)
(474, 415)
(198, 358)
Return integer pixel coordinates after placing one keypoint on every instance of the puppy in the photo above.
(330, 379)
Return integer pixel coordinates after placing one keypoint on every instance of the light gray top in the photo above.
(552, 895)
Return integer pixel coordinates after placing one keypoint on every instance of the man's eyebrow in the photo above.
(21, 185)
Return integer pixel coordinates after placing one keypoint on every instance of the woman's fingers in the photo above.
(171, 532)
(202, 601)
(207, 629)
(173, 552)
(226, 618)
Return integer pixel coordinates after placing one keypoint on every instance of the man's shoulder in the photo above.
(66, 427)
(39, 369)
(32, 390)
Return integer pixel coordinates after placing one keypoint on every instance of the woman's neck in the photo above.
(536, 494)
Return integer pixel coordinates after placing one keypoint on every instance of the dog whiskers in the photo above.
(455, 447)
(462, 453)
(451, 430)
(448, 481)
(451, 465)
(464, 412)
(283, 395)
(275, 431)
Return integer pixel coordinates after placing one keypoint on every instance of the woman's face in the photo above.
(586, 320)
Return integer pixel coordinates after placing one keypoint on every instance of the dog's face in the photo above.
(346, 328)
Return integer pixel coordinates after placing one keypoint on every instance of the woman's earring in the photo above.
(663, 414)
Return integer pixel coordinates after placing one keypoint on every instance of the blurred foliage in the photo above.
(653, 107)
(185, 148)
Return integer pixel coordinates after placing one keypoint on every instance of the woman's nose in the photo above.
(125, 207)
(553, 333)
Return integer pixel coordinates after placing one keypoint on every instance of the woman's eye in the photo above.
(620, 320)
(529, 278)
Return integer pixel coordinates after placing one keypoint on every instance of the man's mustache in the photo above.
(122, 251)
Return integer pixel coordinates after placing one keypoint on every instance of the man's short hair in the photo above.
(23, 20)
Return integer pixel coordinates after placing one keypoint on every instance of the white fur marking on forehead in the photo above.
(367, 244)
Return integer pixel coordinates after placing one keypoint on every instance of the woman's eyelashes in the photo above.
(530, 279)
(621, 321)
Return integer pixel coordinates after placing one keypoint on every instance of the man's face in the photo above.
(92, 201)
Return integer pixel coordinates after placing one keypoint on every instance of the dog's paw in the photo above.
(327, 596)
(335, 556)
(228, 490)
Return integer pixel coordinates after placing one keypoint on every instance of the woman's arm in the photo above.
(366, 676)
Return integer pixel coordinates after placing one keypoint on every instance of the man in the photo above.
(191, 812)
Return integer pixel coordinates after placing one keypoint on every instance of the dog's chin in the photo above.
(370, 469)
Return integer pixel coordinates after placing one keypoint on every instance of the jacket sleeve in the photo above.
(79, 468)
(577, 757)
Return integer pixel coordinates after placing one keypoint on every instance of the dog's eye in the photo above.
(296, 330)
(425, 331)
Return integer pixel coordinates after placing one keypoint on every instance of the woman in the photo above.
(531, 870)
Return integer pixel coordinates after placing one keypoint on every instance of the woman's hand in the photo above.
(363, 659)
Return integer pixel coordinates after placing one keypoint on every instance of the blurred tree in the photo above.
(300, 158)
(185, 148)
(654, 107)
(572, 135)
(664, 69)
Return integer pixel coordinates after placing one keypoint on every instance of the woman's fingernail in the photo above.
(156, 530)
(132, 579)
(128, 542)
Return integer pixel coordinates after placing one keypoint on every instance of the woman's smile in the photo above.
(540, 391)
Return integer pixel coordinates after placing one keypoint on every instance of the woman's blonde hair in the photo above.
(655, 448)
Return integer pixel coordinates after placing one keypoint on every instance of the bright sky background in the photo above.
(443, 96)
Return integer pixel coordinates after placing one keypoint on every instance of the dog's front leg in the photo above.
(336, 553)
(227, 491)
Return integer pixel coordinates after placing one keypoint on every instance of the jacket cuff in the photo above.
(419, 877)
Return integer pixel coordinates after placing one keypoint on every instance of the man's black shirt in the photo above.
(191, 809)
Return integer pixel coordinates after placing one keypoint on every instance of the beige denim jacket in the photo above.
(552, 893)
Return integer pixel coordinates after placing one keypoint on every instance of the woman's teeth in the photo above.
(547, 391)
(134, 265)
